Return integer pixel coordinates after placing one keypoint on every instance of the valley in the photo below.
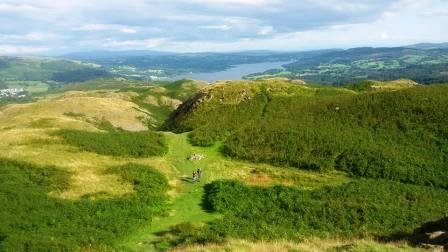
(223, 126)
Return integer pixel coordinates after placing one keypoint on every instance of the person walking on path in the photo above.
(199, 173)
(194, 176)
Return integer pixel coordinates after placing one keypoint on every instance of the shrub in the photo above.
(117, 143)
(34, 220)
(357, 209)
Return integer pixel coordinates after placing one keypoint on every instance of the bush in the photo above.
(357, 209)
(34, 220)
(117, 143)
(359, 86)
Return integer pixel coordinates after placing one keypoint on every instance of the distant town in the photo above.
(13, 93)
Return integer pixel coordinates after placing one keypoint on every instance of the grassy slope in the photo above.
(33, 142)
(30, 138)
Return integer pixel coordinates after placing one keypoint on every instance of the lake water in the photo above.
(235, 73)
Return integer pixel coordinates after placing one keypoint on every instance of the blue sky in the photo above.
(61, 26)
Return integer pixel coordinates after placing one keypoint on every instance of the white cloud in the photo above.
(221, 24)
(6, 7)
(105, 27)
(266, 30)
(230, 3)
(145, 43)
(13, 49)
(32, 36)
(217, 27)
(127, 30)
(438, 12)
(93, 27)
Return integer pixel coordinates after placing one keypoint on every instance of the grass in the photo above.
(309, 245)
(95, 106)
(186, 204)
(27, 134)
(34, 142)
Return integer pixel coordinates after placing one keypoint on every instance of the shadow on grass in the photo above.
(432, 233)
(187, 180)
(206, 204)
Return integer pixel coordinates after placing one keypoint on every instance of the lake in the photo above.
(235, 73)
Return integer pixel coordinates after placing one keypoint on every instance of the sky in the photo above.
(62, 26)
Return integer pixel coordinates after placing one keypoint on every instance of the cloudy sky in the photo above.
(61, 26)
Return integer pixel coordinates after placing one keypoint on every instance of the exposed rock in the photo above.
(196, 157)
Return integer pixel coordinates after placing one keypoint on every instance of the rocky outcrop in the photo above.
(196, 157)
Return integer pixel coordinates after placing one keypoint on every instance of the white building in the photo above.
(13, 92)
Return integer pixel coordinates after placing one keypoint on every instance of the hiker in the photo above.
(194, 176)
(199, 173)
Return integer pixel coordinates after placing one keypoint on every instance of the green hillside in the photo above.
(285, 166)
(400, 135)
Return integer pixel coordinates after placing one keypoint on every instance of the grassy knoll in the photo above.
(163, 98)
(89, 107)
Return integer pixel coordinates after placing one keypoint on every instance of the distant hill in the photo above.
(37, 74)
(333, 66)
(428, 46)
(94, 55)
(342, 66)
